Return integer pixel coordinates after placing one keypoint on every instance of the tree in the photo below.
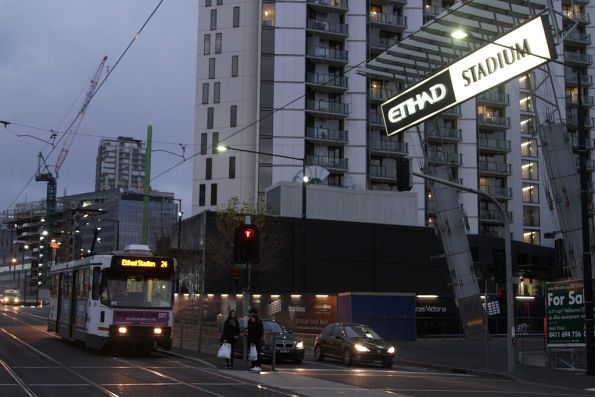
(219, 243)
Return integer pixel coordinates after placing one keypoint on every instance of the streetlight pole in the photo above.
(508, 262)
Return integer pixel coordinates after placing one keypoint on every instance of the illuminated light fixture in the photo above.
(176, 294)
(275, 296)
(122, 330)
(522, 78)
(528, 188)
(391, 350)
(157, 331)
(524, 100)
(525, 143)
(525, 298)
(427, 296)
(239, 295)
(224, 295)
(322, 296)
(360, 348)
(482, 296)
(299, 345)
(257, 296)
(210, 295)
(43, 219)
(45, 233)
(186, 294)
(458, 34)
(222, 148)
(526, 165)
(266, 13)
(296, 296)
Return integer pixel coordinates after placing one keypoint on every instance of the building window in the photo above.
(205, 93)
(236, 17)
(531, 237)
(218, 40)
(201, 195)
(219, 2)
(233, 115)
(528, 147)
(530, 216)
(207, 3)
(209, 169)
(207, 44)
(268, 15)
(215, 142)
(210, 117)
(213, 19)
(203, 143)
(529, 170)
(214, 194)
(232, 167)
(234, 66)
(217, 92)
(530, 193)
(211, 68)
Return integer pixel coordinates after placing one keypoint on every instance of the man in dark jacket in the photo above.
(255, 332)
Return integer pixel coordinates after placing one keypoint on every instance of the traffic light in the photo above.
(246, 244)
(404, 177)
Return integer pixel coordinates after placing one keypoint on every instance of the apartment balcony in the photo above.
(493, 145)
(383, 174)
(380, 94)
(327, 29)
(387, 148)
(590, 165)
(327, 136)
(388, 22)
(389, 2)
(326, 109)
(571, 80)
(502, 193)
(577, 59)
(572, 123)
(490, 121)
(375, 118)
(431, 12)
(380, 44)
(331, 56)
(444, 158)
(330, 163)
(493, 168)
(492, 216)
(578, 38)
(443, 134)
(327, 82)
(338, 6)
(493, 99)
(573, 100)
(589, 143)
(454, 111)
(578, 17)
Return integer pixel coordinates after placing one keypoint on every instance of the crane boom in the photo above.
(74, 126)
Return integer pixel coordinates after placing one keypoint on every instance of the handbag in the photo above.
(224, 351)
(253, 353)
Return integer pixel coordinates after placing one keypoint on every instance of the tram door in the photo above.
(57, 285)
(65, 305)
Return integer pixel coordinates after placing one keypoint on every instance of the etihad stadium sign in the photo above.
(513, 54)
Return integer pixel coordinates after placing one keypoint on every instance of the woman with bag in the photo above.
(231, 332)
(255, 332)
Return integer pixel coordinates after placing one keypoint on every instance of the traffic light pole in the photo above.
(508, 260)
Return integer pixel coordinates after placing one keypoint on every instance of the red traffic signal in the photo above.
(246, 244)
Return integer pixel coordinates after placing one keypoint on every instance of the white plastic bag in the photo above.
(224, 351)
(253, 353)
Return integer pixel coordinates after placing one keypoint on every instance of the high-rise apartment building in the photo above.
(282, 78)
(120, 164)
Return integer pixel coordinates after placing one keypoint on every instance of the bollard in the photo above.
(273, 358)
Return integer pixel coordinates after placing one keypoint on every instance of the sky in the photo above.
(49, 51)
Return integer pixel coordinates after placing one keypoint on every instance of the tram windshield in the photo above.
(136, 290)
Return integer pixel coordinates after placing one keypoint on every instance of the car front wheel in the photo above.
(387, 363)
(318, 353)
(347, 357)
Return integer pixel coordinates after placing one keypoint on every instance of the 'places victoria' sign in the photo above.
(508, 57)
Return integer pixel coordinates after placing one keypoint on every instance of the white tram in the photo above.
(114, 300)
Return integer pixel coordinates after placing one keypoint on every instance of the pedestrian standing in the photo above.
(255, 332)
(231, 332)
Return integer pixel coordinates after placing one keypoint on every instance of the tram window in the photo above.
(139, 291)
(96, 277)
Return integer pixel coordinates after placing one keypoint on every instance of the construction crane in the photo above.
(43, 171)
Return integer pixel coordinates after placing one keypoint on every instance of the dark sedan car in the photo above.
(287, 346)
(353, 342)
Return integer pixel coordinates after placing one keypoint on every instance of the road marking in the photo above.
(58, 384)
(479, 392)
(143, 384)
(17, 379)
(208, 364)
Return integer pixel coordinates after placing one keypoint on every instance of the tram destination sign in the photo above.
(513, 54)
(140, 263)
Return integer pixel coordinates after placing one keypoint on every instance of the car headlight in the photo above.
(6, 300)
(299, 345)
(16, 300)
(391, 350)
(361, 348)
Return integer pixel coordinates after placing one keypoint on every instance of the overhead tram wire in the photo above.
(259, 119)
(64, 133)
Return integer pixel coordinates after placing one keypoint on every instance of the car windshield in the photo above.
(273, 327)
(137, 290)
(360, 331)
(11, 294)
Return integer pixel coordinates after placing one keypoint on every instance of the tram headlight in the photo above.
(16, 300)
(157, 331)
(6, 300)
(122, 330)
